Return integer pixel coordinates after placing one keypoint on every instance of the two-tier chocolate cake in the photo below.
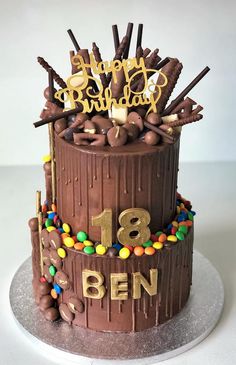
(112, 243)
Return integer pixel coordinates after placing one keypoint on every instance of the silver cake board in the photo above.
(63, 342)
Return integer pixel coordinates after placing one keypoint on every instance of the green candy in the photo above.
(147, 244)
(190, 216)
(158, 233)
(183, 229)
(52, 270)
(180, 235)
(89, 250)
(82, 236)
(49, 222)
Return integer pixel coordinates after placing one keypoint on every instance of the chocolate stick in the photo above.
(56, 77)
(129, 35)
(98, 58)
(188, 88)
(180, 122)
(115, 36)
(158, 130)
(51, 136)
(74, 41)
(40, 225)
(139, 36)
(55, 117)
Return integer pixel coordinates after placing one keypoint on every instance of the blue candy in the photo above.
(57, 288)
(181, 218)
(193, 213)
(51, 215)
(118, 246)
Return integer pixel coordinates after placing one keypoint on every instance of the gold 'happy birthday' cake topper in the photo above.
(79, 88)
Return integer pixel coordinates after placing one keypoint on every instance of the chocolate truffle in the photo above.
(132, 130)
(60, 125)
(135, 118)
(117, 136)
(102, 124)
(65, 313)
(55, 239)
(44, 288)
(46, 256)
(154, 118)
(45, 238)
(33, 224)
(151, 138)
(46, 302)
(55, 259)
(75, 305)
(51, 314)
(62, 280)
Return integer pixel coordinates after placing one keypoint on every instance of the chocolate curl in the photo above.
(158, 131)
(139, 36)
(50, 86)
(115, 36)
(188, 88)
(129, 35)
(40, 225)
(98, 58)
(55, 117)
(74, 41)
(197, 110)
(180, 122)
(172, 71)
(187, 105)
(85, 55)
(149, 63)
(139, 52)
(146, 52)
(56, 77)
(118, 54)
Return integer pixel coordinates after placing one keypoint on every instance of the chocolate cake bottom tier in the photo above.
(105, 293)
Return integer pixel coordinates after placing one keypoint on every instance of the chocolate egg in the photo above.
(47, 274)
(55, 259)
(75, 305)
(102, 124)
(46, 256)
(46, 302)
(136, 119)
(62, 280)
(55, 239)
(65, 313)
(117, 136)
(44, 288)
(60, 125)
(33, 224)
(132, 130)
(151, 138)
(154, 118)
(45, 238)
(51, 314)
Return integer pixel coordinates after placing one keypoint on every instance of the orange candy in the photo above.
(184, 223)
(64, 235)
(54, 294)
(79, 246)
(162, 238)
(54, 208)
(138, 250)
(149, 251)
(189, 223)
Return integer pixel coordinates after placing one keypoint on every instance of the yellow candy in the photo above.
(101, 250)
(182, 205)
(46, 158)
(88, 243)
(172, 238)
(124, 253)
(66, 227)
(51, 228)
(69, 242)
(157, 245)
(61, 252)
(175, 224)
(177, 209)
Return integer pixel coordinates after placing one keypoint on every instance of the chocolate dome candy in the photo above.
(51, 314)
(55, 239)
(45, 238)
(62, 280)
(60, 125)
(55, 259)
(135, 118)
(117, 136)
(46, 302)
(46, 256)
(44, 288)
(154, 118)
(151, 138)
(132, 130)
(102, 124)
(65, 313)
(75, 305)
(33, 224)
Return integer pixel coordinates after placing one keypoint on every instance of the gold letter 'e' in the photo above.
(119, 284)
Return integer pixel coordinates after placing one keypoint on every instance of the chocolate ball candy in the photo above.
(46, 302)
(132, 130)
(65, 313)
(102, 124)
(75, 305)
(55, 239)
(169, 130)
(33, 224)
(141, 111)
(68, 133)
(45, 238)
(51, 314)
(80, 119)
(136, 119)
(46, 93)
(60, 125)
(112, 251)
(62, 280)
(46, 256)
(44, 288)
(117, 136)
(151, 138)
(55, 259)
(47, 274)
(154, 118)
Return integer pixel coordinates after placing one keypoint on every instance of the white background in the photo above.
(199, 33)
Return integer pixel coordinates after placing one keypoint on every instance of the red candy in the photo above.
(173, 230)
(129, 247)
(153, 238)
(42, 279)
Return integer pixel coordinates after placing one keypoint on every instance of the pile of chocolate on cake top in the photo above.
(105, 109)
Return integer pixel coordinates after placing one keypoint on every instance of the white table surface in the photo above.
(211, 188)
